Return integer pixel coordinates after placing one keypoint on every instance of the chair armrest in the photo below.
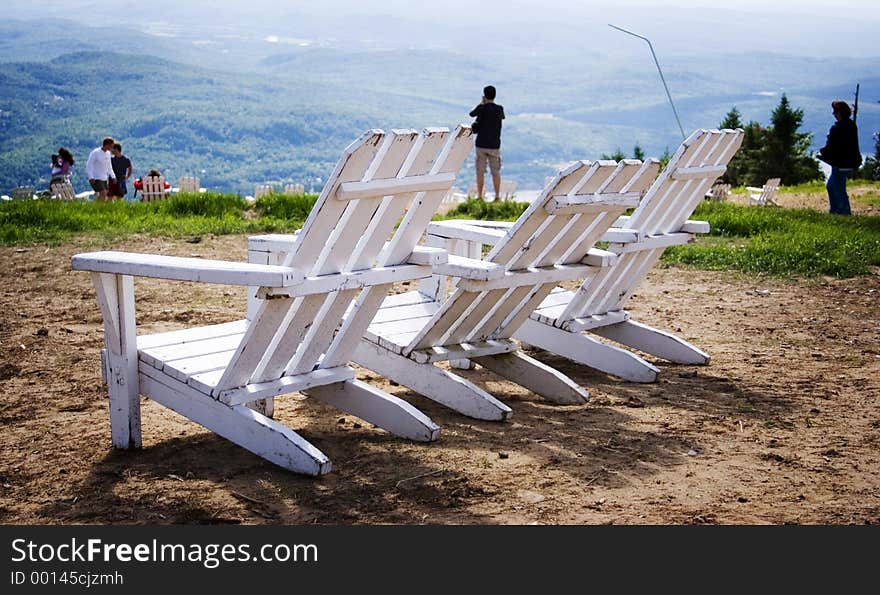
(428, 255)
(187, 269)
(485, 232)
(754, 189)
(619, 234)
(470, 268)
(599, 258)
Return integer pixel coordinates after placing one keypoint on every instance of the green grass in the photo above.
(782, 242)
(775, 241)
(181, 215)
(475, 208)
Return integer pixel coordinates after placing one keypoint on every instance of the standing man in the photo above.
(122, 170)
(488, 128)
(841, 152)
(99, 169)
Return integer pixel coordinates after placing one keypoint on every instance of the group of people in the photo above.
(841, 150)
(108, 170)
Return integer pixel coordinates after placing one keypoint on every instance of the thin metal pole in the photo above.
(856, 106)
(662, 78)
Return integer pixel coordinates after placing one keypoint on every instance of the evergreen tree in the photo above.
(732, 120)
(785, 151)
(617, 155)
(871, 169)
(638, 152)
(741, 168)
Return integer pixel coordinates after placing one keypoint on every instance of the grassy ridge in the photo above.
(772, 241)
(181, 215)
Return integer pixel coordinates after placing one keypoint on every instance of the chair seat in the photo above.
(401, 317)
(197, 356)
(555, 304)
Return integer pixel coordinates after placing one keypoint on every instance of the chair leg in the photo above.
(379, 408)
(588, 351)
(239, 424)
(656, 342)
(432, 382)
(539, 378)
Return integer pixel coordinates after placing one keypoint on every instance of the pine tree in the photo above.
(638, 152)
(871, 169)
(785, 151)
(617, 155)
(740, 168)
(732, 120)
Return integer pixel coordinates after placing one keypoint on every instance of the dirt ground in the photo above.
(782, 427)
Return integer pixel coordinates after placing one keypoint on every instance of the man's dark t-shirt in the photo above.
(489, 116)
(120, 166)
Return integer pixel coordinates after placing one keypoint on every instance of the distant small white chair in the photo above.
(765, 195)
(294, 189)
(718, 192)
(23, 193)
(262, 190)
(62, 191)
(189, 184)
(153, 189)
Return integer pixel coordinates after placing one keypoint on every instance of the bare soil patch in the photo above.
(782, 427)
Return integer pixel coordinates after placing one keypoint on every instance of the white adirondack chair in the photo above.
(23, 193)
(62, 191)
(552, 241)
(661, 220)
(153, 189)
(294, 189)
(718, 192)
(263, 190)
(764, 195)
(189, 184)
(311, 312)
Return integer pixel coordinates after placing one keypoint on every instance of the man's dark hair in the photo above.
(489, 92)
(117, 146)
(108, 140)
(842, 108)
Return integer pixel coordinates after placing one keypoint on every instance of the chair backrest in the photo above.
(383, 185)
(262, 190)
(719, 191)
(23, 193)
(667, 204)
(153, 188)
(189, 184)
(672, 198)
(559, 228)
(768, 192)
(62, 190)
(294, 189)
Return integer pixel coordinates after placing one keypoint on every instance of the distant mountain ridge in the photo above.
(283, 114)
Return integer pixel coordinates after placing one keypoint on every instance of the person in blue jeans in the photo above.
(841, 152)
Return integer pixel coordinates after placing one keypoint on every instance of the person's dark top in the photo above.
(489, 116)
(120, 166)
(842, 147)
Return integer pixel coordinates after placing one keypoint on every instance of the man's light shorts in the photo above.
(492, 156)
